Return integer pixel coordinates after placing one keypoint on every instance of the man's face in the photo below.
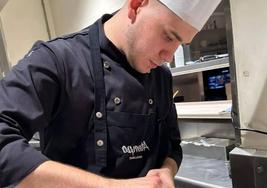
(154, 37)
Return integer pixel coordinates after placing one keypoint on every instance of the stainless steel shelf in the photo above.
(204, 110)
(199, 67)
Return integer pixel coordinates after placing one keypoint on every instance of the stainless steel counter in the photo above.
(200, 172)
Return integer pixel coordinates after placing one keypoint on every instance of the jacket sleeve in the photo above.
(167, 112)
(175, 149)
(28, 99)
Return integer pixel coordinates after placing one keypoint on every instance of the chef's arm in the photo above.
(175, 156)
(30, 97)
(53, 174)
(166, 173)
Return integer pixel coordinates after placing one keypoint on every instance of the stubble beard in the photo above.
(131, 50)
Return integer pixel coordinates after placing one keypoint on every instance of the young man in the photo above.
(101, 101)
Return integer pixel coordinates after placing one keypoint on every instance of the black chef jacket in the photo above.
(51, 90)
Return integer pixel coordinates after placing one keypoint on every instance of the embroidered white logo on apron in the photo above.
(135, 149)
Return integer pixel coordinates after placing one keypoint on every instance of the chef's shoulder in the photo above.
(164, 80)
(70, 44)
(66, 54)
(63, 45)
(69, 51)
(163, 74)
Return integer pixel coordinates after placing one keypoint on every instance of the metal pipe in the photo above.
(46, 19)
(2, 4)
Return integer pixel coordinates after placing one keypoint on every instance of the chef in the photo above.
(101, 100)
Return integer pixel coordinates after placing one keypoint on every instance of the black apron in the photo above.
(127, 145)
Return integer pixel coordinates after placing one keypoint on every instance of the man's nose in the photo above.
(167, 55)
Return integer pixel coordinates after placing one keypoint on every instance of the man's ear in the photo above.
(133, 6)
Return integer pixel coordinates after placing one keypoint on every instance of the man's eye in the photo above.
(168, 38)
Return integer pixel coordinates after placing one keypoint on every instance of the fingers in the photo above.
(165, 177)
(156, 181)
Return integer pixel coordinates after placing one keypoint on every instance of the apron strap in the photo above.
(100, 117)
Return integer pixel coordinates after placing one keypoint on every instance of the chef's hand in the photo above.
(165, 175)
(143, 182)
(157, 178)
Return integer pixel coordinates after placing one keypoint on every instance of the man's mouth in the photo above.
(152, 64)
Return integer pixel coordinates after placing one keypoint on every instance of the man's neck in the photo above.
(114, 30)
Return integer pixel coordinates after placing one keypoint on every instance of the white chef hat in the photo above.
(194, 12)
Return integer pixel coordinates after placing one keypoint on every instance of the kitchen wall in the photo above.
(70, 16)
(2, 3)
(23, 23)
